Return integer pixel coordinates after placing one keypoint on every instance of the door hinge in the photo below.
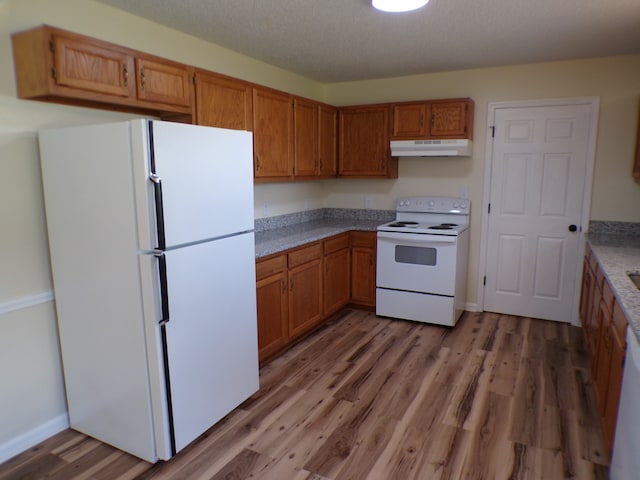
(54, 74)
(484, 280)
(52, 46)
(193, 79)
(493, 131)
(488, 208)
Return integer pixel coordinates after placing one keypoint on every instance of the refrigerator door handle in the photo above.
(164, 294)
(157, 188)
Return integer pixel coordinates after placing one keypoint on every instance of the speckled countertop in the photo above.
(276, 234)
(617, 255)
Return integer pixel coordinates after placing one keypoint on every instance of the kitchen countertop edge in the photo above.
(269, 242)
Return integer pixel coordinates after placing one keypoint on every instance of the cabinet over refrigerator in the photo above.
(152, 251)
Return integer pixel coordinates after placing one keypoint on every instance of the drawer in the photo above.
(339, 242)
(363, 239)
(619, 323)
(266, 268)
(607, 295)
(305, 254)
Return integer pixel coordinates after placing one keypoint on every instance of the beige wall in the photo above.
(30, 368)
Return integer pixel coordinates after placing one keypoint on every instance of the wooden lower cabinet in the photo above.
(305, 290)
(363, 268)
(337, 274)
(604, 326)
(298, 289)
(271, 297)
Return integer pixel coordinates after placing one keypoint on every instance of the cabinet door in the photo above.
(272, 134)
(618, 349)
(92, 67)
(337, 266)
(305, 297)
(271, 295)
(409, 121)
(364, 142)
(363, 284)
(449, 119)
(305, 121)
(327, 140)
(161, 82)
(602, 364)
(222, 102)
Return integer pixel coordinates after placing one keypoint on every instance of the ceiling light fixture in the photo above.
(398, 5)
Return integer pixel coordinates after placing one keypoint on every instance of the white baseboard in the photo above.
(28, 439)
(471, 307)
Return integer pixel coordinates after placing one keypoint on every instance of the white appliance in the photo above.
(625, 464)
(152, 251)
(431, 148)
(422, 260)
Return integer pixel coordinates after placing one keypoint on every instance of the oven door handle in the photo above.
(422, 238)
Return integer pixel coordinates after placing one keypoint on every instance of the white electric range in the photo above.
(422, 260)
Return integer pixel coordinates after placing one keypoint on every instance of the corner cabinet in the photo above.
(433, 119)
(59, 66)
(363, 150)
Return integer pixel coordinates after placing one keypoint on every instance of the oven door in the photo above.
(417, 262)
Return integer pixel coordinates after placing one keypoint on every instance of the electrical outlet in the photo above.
(368, 203)
(307, 204)
(265, 209)
(464, 192)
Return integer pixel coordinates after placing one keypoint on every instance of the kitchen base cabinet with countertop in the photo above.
(299, 288)
(609, 305)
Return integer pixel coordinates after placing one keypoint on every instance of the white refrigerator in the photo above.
(152, 252)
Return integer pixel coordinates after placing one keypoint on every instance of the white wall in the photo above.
(32, 396)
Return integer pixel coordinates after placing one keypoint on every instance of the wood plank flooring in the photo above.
(496, 397)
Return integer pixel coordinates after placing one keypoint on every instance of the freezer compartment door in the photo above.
(200, 180)
(211, 335)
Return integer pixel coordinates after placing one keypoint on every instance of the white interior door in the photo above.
(538, 173)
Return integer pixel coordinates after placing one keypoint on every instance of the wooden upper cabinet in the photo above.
(223, 102)
(451, 119)
(90, 67)
(272, 134)
(305, 118)
(60, 66)
(409, 121)
(163, 82)
(327, 141)
(435, 119)
(364, 142)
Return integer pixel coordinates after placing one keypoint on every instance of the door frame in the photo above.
(594, 104)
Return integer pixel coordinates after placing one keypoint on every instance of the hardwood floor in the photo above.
(496, 397)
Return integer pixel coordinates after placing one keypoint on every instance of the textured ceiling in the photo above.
(342, 40)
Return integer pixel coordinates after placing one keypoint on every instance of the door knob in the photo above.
(573, 228)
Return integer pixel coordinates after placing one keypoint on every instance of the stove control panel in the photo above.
(434, 205)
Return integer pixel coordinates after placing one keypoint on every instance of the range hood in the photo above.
(431, 148)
